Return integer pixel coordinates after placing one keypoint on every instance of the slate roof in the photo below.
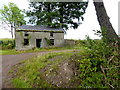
(38, 28)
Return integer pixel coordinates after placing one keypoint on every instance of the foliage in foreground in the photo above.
(98, 67)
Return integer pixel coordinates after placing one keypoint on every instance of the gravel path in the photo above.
(10, 60)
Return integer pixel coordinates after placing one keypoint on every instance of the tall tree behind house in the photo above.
(57, 14)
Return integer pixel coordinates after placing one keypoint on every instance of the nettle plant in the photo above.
(99, 66)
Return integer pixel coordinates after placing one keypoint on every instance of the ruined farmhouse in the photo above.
(28, 37)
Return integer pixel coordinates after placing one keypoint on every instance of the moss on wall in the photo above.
(21, 34)
(40, 31)
(48, 41)
(29, 36)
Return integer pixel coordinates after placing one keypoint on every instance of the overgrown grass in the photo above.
(20, 83)
(28, 73)
(13, 51)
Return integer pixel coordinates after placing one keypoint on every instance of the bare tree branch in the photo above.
(105, 76)
(111, 59)
(112, 67)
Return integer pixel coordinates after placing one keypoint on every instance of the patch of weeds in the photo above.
(11, 71)
(51, 69)
(20, 83)
(54, 67)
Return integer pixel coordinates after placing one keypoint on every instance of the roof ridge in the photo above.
(38, 27)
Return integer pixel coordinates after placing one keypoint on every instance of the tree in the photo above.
(12, 16)
(57, 14)
(107, 30)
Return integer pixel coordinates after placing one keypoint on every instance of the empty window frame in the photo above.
(26, 34)
(26, 42)
(52, 41)
(51, 34)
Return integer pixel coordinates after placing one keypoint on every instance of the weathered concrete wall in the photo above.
(57, 36)
(69, 42)
(59, 39)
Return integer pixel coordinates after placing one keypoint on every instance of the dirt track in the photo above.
(10, 60)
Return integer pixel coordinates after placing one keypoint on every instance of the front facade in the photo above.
(28, 37)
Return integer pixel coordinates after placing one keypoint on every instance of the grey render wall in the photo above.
(69, 42)
(57, 36)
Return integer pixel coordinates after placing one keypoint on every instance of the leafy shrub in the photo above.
(99, 67)
(7, 44)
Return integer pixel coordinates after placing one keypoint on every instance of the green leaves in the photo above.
(57, 14)
(99, 67)
(12, 15)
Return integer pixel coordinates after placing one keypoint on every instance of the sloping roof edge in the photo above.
(37, 28)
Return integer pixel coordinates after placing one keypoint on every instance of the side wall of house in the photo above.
(32, 36)
(59, 39)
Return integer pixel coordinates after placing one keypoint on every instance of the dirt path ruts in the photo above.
(10, 60)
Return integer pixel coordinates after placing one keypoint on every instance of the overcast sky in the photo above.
(89, 24)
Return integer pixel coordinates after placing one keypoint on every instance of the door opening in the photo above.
(38, 43)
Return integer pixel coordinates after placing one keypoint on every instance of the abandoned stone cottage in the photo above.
(28, 37)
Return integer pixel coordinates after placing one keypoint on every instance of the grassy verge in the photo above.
(13, 51)
(27, 74)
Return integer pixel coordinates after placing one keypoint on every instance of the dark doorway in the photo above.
(38, 43)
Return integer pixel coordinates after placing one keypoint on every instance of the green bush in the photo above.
(7, 44)
(99, 66)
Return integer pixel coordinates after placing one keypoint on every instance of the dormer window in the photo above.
(51, 34)
(26, 34)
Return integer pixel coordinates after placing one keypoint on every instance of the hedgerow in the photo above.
(99, 65)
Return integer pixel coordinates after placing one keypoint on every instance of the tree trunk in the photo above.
(12, 31)
(61, 13)
(104, 22)
(49, 10)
